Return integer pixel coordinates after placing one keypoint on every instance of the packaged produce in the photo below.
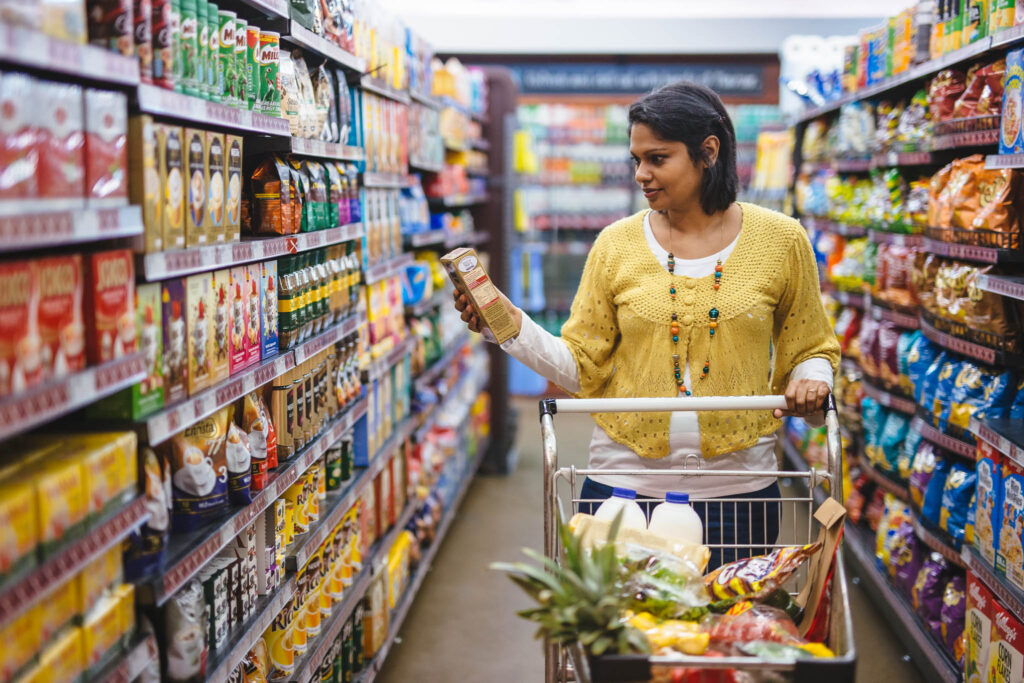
(106, 132)
(198, 462)
(110, 305)
(1010, 556)
(956, 496)
(1006, 653)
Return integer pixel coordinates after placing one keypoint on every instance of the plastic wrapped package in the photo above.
(921, 471)
(920, 356)
(931, 507)
(956, 498)
(952, 615)
(943, 92)
(890, 445)
(928, 591)
(984, 86)
(906, 555)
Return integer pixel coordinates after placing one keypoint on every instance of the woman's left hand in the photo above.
(805, 397)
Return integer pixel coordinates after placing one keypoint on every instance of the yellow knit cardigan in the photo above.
(618, 329)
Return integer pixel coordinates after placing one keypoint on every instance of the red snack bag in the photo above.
(59, 314)
(19, 137)
(110, 305)
(20, 358)
(61, 142)
(106, 137)
(746, 622)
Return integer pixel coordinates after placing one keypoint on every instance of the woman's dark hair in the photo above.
(688, 113)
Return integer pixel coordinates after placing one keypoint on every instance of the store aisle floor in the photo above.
(463, 627)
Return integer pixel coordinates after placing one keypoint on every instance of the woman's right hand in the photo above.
(473, 321)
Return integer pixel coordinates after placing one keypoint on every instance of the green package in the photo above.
(226, 57)
(269, 95)
(187, 57)
(175, 29)
(252, 66)
(241, 78)
(214, 73)
(203, 49)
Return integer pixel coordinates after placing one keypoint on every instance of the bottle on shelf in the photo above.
(675, 519)
(623, 500)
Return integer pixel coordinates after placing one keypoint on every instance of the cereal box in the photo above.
(61, 167)
(171, 160)
(216, 172)
(106, 135)
(268, 303)
(253, 338)
(989, 501)
(174, 329)
(1010, 139)
(1006, 661)
(1010, 556)
(20, 353)
(220, 347)
(233, 218)
(59, 314)
(19, 532)
(196, 171)
(238, 320)
(144, 182)
(110, 305)
(201, 302)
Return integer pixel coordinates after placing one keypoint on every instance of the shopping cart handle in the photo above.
(650, 405)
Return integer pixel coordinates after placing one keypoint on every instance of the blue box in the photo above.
(1010, 139)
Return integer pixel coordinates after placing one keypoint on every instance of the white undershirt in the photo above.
(547, 355)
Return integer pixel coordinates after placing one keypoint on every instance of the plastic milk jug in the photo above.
(623, 499)
(675, 519)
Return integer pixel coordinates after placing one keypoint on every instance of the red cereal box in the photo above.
(19, 138)
(238, 318)
(61, 142)
(59, 314)
(175, 330)
(220, 361)
(20, 357)
(110, 305)
(1006, 656)
(253, 341)
(106, 138)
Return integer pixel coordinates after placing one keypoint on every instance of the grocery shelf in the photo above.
(188, 553)
(49, 229)
(295, 33)
(425, 100)
(55, 398)
(380, 366)
(426, 238)
(884, 482)
(387, 181)
(430, 375)
(320, 149)
(852, 165)
(952, 444)
(35, 583)
(904, 320)
(889, 400)
(243, 638)
(162, 102)
(271, 8)
(976, 351)
(976, 138)
(996, 161)
(1006, 435)
(1007, 285)
(896, 238)
(141, 653)
(970, 252)
(1011, 596)
(937, 543)
(928, 656)
(379, 87)
(574, 248)
(163, 265)
(426, 166)
(458, 239)
(168, 422)
(428, 423)
(397, 617)
(390, 268)
(459, 200)
(308, 669)
(32, 49)
(329, 337)
(828, 225)
(889, 159)
(423, 307)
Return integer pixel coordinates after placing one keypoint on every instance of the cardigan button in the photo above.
(690, 283)
(687, 319)
(688, 299)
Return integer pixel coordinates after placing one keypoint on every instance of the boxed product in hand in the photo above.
(1010, 137)
(469, 277)
(201, 298)
(110, 305)
(197, 173)
(174, 308)
(173, 171)
(59, 315)
(144, 182)
(106, 133)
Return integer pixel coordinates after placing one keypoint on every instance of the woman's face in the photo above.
(666, 174)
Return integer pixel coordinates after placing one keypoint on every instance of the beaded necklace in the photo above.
(712, 317)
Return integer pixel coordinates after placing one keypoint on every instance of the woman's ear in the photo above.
(711, 146)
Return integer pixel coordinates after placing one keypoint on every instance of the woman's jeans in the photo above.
(728, 522)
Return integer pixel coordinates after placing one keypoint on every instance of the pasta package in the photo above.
(200, 474)
(988, 501)
(1010, 555)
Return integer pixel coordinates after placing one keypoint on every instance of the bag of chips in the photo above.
(906, 554)
(931, 508)
(906, 340)
(997, 190)
(891, 444)
(928, 591)
(920, 356)
(977, 391)
(273, 199)
(756, 576)
(873, 418)
(952, 615)
(888, 354)
(922, 471)
(944, 385)
(982, 81)
(1017, 409)
(908, 452)
(956, 497)
(943, 92)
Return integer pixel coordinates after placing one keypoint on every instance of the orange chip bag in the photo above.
(996, 190)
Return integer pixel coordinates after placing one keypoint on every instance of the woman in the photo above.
(699, 295)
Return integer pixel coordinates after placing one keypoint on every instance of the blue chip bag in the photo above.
(1017, 409)
(873, 420)
(956, 498)
(921, 472)
(977, 391)
(891, 444)
(949, 370)
(920, 356)
(930, 381)
(903, 346)
(932, 507)
(906, 459)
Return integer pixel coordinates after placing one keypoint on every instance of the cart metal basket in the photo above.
(796, 527)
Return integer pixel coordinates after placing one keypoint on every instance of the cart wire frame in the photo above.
(557, 665)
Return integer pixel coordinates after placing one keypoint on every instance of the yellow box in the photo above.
(216, 174)
(103, 572)
(144, 178)
(19, 525)
(196, 185)
(62, 501)
(126, 599)
(20, 640)
(59, 608)
(101, 629)
(170, 146)
(64, 660)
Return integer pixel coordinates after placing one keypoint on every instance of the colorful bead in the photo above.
(675, 329)
(673, 316)
(671, 290)
(716, 285)
(675, 338)
(718, 268)
(713, 324)
(713, 313)
(712, 332)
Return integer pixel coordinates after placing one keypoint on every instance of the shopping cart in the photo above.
(797, 527)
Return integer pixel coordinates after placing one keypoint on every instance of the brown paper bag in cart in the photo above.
(819, 572)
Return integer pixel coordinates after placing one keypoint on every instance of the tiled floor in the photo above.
(463, 627)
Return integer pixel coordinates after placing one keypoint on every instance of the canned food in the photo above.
(270, 96)
(241, 77)
(226, 56)
(187, 57)
(252, 66)
(214, 72)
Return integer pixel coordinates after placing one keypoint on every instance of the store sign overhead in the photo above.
(620, 79)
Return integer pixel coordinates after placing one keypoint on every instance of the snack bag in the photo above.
(200, 479)
(927, 592)
(908, 452)
(922, 471)
(956, 497)
(1010, 555)
(274, 199)
(1017, 409)
(893, 435)
(945, 381)
(978, 630)
(932, 505)
(977, 391)
(755, 576)
(239, 461)
(954, 607)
